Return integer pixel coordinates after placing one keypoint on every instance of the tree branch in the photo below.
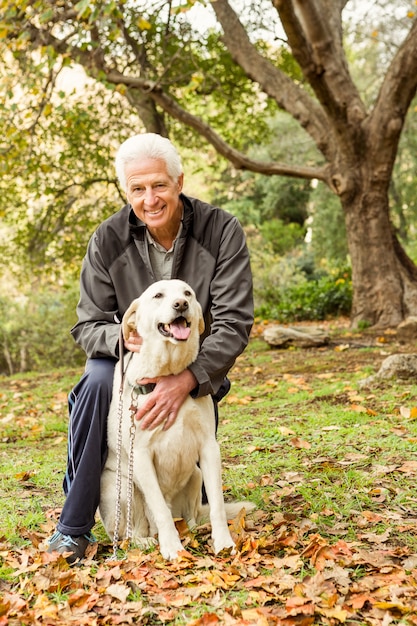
(238, 159)
(315, 37)
(94, 63)
(289, 96)
(396, 93)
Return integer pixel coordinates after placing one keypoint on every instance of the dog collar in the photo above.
(143, 390)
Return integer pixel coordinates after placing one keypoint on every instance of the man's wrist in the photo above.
(190, 380)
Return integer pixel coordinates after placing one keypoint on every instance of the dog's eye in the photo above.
(158, 295)
(187, 293)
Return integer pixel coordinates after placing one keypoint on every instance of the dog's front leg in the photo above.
(210, 463)
(147, 480)
(187, 502)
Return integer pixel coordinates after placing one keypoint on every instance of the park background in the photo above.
(299, 118)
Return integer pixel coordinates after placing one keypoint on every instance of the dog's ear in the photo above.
(129, 319)
(201, 324)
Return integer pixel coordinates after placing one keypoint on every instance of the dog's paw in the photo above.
(224, 543)
(145, 543)
(170, 550)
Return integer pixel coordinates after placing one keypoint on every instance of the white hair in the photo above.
(147, 146)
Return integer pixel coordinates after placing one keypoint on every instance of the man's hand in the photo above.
(133, 342)
(163, 404)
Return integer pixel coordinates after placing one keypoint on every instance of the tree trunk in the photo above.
(384, 279)
(8, 357)
(152, 119)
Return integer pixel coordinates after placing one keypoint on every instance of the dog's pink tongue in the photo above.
(179, 331)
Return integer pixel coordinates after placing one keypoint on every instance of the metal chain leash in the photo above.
(137, 390)
(119, 459)
(129, 495)
(118, 472)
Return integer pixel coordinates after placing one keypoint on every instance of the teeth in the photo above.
(183, 323)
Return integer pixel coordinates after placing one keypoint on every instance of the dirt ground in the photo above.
(347, 350)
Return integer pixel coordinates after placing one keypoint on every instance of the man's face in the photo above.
(153, 194)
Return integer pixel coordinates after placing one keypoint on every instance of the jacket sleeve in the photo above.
(98, 326)
(231, 311)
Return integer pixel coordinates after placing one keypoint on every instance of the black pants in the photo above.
(89, 404)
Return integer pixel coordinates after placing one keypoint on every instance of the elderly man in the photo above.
(161, 233)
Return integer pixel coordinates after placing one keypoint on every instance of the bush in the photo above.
(291, 288)
(35, 331)
(282, 237)
(315, 297)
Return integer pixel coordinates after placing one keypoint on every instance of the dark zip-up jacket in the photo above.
(210, 255)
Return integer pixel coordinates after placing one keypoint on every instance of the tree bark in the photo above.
(152, 119)
(8, 357)
(385, 280)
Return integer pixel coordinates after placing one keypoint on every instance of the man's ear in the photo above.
(129, 319)
(180, 182)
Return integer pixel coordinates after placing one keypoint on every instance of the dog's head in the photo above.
(168, 308)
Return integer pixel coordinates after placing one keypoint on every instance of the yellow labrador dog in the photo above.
(167, 481)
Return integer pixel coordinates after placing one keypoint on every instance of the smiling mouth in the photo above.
(152, 213)
(178, 329)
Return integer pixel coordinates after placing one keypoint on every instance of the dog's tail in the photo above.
(232, 510)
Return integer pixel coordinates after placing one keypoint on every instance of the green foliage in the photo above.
(286, 198)
(34, 331)
(218, 90)
(289, 284)
(363, 325)
(327, 224)
(58, 180)
(261, 200)
(317, 299)
(292, 290)
(403, 195)
(282, 237)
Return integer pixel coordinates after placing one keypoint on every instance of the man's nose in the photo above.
(150, 196)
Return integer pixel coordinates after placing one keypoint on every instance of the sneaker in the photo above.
(66, 543)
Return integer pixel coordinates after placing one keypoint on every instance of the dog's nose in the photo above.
(180, 305)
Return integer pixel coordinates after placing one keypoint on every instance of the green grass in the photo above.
(33, 431)
(350, 435)
(277, 397)
(299, 437)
